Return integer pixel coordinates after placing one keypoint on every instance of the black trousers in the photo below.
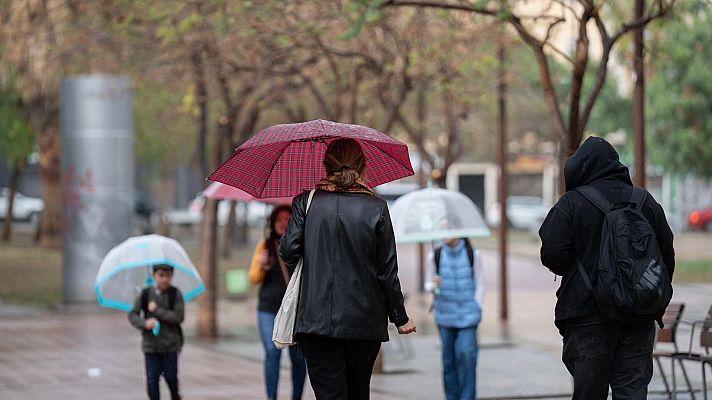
(339, 369)
(165, 364)
(603, 354)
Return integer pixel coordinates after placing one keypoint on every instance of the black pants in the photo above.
(599, 354)
(165, 364)
(339, 369)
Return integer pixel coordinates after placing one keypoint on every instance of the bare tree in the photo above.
(582, 13)
(30, 35)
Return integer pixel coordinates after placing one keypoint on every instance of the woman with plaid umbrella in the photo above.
(350, 286)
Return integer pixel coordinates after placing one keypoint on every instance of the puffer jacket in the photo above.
(459, 301)
(350, 286)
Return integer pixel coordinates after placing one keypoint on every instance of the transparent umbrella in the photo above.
(431, 214)
(126, 269)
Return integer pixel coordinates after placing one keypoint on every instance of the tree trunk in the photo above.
(201, 94)
(502, 192)
(563, 155)
(229, 231)
(353, 105)
(50, 232)
(165, 199)
(14, 178)
(244, 227)
(207, 302)
(639, 98)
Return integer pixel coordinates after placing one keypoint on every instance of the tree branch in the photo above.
(532, 41)
(417, 138)
(577, 77)
(663, 9)
(568, 7)
(320, 99)
(442, 5)
(607, 44)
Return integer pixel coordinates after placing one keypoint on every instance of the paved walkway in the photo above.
(93, 353)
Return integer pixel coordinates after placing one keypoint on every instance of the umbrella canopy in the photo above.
(220, 191)
(284, 160)
(434, 214)
(126, 269)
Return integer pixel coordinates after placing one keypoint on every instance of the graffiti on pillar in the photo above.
(78, 202)
(87, 214)
(72, 194)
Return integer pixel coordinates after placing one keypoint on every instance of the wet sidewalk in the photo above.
(93, 353)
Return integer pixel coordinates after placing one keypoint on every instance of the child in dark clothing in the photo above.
(158, 312)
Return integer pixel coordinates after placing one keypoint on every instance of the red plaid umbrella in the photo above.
(284, 160)
(220, 191)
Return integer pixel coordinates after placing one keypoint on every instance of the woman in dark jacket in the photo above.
(350, 285)
(270, 271)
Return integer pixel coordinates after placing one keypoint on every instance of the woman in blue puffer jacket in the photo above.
(454, 273)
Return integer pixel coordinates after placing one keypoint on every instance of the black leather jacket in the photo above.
(350, 286)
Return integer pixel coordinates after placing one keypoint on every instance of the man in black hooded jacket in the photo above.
(597, 352)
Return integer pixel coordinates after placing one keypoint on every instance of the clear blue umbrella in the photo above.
(126, 270)
(432, 214)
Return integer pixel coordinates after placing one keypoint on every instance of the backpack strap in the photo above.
(638, 197)
(596, 198)
(470, 252)
(144, 300)
(470, 255)
(172, 294)
(584, 275)
(436, 254)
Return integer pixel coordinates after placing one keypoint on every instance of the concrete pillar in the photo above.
(96, 123)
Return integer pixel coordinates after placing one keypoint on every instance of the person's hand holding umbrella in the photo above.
(151, 323)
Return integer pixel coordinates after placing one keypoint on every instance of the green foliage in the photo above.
(17, 139)
(360, 14)
(697, 270)
(680, 95)
(612, 112)
(164, 128)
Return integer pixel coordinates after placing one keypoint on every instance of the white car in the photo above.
(523, 212)
(255, 212)
(24, 208)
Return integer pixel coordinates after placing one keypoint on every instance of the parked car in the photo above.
(701, 219)
(25, 208)
(523, 212)
(255, 212)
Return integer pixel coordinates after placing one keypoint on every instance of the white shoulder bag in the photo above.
(283, 333)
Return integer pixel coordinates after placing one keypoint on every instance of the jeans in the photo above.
(459, 358)
(165, 364)
(599, 354)
(265, 324)
(339, 369)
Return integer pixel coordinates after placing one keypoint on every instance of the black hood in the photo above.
(595, 159)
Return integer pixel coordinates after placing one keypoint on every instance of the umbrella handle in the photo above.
(156, 328)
